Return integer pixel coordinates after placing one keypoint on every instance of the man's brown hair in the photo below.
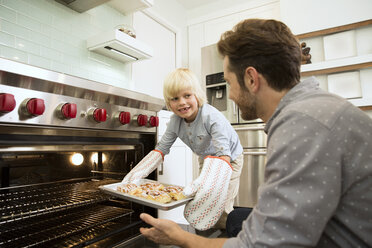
(267, 45)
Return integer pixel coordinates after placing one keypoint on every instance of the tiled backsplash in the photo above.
(47, 34)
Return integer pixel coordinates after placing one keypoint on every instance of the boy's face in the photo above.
(185, 105)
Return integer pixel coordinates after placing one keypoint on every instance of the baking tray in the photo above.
(111, 189)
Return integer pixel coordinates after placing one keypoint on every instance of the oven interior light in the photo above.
(94, 158)
(77, 159)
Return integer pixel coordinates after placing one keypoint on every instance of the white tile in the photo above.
(60, 67)
(39, 38)
(79, 72)
(7, 39)
(14, 29)
(27, 46)
(339, 45)
(8, 14)
(49, 53)
(28, 8)
(345, 84)
(62, 24)
(39, 61)
(65, 48)
(14, 54)
(74, 61)
(28, 22)
(46, 29)
(69, 39)
(97, 57)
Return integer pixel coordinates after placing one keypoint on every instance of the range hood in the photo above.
(82, 5)
(120, 46)
(124, 6)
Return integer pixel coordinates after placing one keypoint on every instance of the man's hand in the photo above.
(164, 232)
(167, 232)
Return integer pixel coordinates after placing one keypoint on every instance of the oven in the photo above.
(61, 137)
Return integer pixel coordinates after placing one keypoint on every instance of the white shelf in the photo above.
(337, 63)
(129, 6)
(119, 46)
(360, 102)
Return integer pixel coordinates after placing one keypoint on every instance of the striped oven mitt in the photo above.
(210, 190)
(147, 165)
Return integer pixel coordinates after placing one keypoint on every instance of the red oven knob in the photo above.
(141, 120)
(100, 115)
(7, 102)
(69, 110)
(124, 117)
(154, 121)
(35, 106)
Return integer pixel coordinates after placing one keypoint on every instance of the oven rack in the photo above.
(78, 227)
(25, 202)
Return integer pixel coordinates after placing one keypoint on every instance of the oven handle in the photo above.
(256, 153)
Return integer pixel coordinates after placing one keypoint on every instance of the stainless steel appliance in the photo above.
(251, 134)
(216, 87)
(253, 139)
(61, 137)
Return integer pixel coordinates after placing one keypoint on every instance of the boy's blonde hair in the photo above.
(182, 79)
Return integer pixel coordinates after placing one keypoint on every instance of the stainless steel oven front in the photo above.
(61, 137)
(253, 139)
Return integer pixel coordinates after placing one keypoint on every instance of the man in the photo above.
(318, 177)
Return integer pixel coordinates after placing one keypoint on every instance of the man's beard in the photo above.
(247, 105)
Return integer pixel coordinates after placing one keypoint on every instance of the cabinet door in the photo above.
(177, 168)
(214, 28)
(196, 41)
(177, 165)
(148, 75)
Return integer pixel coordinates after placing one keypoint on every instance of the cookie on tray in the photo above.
(151, 186)
(159, 196)
(126, 187)
(175, 192)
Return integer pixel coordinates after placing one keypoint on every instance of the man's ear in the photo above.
(251, 79)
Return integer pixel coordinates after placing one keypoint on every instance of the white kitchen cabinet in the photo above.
(196, 42)
(177, 168)
(148, 75)
(214, 28)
